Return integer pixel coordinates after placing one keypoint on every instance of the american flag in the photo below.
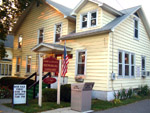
(65, 62)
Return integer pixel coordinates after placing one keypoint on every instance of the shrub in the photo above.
(66, 92)
(130, 93)
(49, 95)
(123, 94)
(144, 91)
(10, 81)
(5, 93)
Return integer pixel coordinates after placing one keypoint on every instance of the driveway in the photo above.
(138, 107)
(4, 109)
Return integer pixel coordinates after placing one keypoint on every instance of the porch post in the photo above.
(40, 79)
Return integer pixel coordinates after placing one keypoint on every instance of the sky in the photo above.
(117, 4)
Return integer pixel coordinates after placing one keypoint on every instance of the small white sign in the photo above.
(19, 94)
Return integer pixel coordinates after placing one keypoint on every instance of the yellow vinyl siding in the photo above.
(44, 17)
(123, 39)
(106, 18)
(88, 8)
(96, 65)
(71, 27)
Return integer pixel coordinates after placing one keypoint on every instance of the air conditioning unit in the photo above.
(144, 74)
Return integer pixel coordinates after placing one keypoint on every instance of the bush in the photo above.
(10, 81)
(49, 95)
(66, 92)
(5, 93)
(144, 91)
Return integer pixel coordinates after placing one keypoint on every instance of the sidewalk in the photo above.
(138, 107)
(4, 109)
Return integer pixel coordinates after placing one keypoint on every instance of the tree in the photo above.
(10, 10)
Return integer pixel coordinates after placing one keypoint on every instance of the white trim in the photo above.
(136, 19)
(55, 31)
(27, 63)
(145, 62)
(76, 66)
(20, 35)
(39, 34)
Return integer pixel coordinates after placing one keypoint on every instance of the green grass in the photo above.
(33, 107)
(102, 105)
(97, 105)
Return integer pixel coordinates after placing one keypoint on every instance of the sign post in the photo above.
(40, 80)
(58, 85)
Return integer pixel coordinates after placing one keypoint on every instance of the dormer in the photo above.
(93, 14)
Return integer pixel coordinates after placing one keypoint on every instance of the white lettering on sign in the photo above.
(19, 94)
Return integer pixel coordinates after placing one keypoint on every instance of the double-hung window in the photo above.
(20, 41)
(28, 65)
(81, 62)
(126, 64)
(89, 19)
(136, 28)
(143, 64)
(18, 63)
(40, 36)
(58, 28)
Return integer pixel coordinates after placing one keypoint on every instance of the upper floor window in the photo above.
(143, 63)
(93, 18)
(58, 28)
(81, 62)
(28, 65)
(18, 63)
(20, 41)
(89, 19)
(136, 28)
(126, 64)
(84, 20)
(41, 36)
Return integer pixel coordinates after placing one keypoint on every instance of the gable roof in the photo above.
(102, 5)
(112, 25)
(63, 9)
(9, 41)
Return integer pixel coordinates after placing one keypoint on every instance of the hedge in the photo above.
(10, 81)
(50, 95)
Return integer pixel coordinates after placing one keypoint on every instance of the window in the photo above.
(81, 59)
(143, 63)
(41, 36)
(89, 19)
(18, 64)
(5, 69)
(28, 65)
(126, 64)
(136, 28)
(10, 69)
(93, 18)
(20, 42)
(58, 28)
(84, 20)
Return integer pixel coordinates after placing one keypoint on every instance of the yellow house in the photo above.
(106, 46)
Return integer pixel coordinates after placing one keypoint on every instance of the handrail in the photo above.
(27, 78)
(38, 80)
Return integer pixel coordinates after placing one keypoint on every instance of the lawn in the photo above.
(97, 105)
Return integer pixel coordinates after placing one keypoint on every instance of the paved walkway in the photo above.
(4, 109)
(138, 107)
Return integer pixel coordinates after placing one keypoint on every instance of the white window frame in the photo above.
(136, 19)
(17, 64)
(141, 63)
(18, 41)
(77, 54)
(123, 64)
(39, 35)
(88, 19)
(27, 63)
(55, 31)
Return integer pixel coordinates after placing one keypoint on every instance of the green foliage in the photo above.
(10, 81)
(130, 93)
(49, 95)
(66, 92)
(5, 92)
(123, 94)
(144, 90)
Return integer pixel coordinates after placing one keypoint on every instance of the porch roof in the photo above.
(50, 48)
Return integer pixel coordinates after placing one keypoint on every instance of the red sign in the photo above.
(50, 65)
(49, 80)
